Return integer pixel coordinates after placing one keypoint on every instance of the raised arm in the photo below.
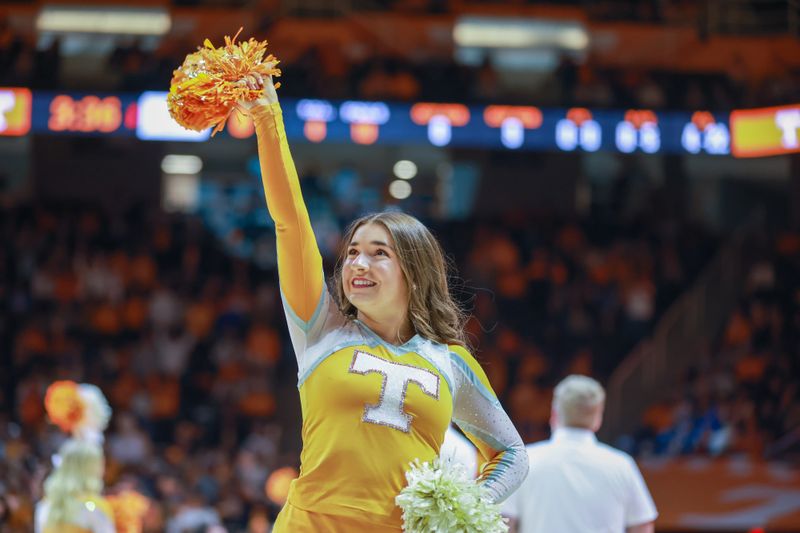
(299, 260)
(482, 419)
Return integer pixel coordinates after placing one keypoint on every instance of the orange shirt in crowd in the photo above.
(143, 271)
(106, 319)
(738, 331)
(263, 345)
(134, 313)
(165, 396)
(750, 368)
(200, 317)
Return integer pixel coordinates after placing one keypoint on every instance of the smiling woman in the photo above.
(382, 363)
(372, 282)
(385, 251)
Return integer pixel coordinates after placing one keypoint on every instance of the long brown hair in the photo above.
(431, 309)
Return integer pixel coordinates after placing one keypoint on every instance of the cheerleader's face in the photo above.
(372, 278)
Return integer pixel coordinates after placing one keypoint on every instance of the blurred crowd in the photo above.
(570, 296)
(186, 343)
(190, 346)
(330, 72)
(744, 395)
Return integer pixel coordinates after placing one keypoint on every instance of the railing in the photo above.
(679, 339)
(716, 16)
(333, 8)
(316, 8)
(794, 17)
(788, 445)
(766, 17)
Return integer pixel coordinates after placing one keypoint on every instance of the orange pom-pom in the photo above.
(129, 508)
(277, 486)
(205, 88)
(64, 405)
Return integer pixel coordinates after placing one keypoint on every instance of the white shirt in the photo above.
(579, 485)
(192, 518)
(456, 447)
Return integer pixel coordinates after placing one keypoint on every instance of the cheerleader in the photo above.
(383, 365)
(73, 501)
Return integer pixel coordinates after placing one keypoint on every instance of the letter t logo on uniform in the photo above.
(396, 377)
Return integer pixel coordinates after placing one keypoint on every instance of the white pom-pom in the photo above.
(441, 498)
(97, 413)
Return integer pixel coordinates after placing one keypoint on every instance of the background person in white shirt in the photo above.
(577, 484)
(458, 448)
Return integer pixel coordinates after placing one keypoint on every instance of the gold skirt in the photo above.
(292, 519)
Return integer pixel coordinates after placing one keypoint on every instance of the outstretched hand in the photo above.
(258, 81)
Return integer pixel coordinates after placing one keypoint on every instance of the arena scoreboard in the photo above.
(15, 111)
(741, 133)
(768, 131)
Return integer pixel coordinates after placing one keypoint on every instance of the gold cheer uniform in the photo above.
(369, 407)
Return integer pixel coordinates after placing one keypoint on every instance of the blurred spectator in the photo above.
(742, 402)
(194, 514)
(387, 80)
(11, 48)
(128, 445)
(47, 66)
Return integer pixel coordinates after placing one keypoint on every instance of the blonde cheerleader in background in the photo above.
(73, 501)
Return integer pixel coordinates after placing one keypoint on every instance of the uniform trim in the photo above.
(313, 366)
(470, 375)
(299, 322)
(507, 454)
(485, 437)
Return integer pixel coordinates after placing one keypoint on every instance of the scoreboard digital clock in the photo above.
(84, 114)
